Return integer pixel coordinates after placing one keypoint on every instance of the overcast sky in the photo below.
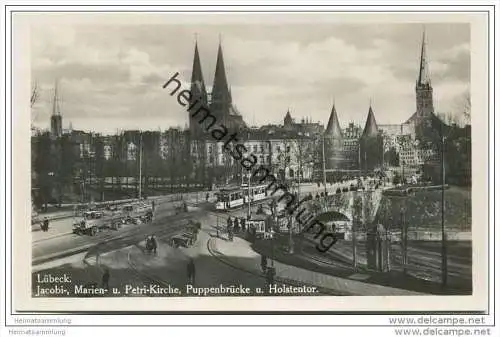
(111, 77)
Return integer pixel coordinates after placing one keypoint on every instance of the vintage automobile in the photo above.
(92, 222)
(181, 240)
(138, 213)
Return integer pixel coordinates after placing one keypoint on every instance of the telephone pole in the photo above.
(140, 167)
(249, 198)
(444, 257)
(324, 164)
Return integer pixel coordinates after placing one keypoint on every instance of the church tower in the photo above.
(198, 93)
(427, 125)
(221, 100)
(423, 87)
(56, 118)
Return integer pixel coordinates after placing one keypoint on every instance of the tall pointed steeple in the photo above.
(220, 90)
(55, 104)
(199, 95)
(423, 72)
(221, 100)
(333, 129)
(423, 87)
(198, 89)
(56, 118)
(371, 128)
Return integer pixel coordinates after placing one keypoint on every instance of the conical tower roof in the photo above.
(220, 88)
(333, 129)
(197, 82)
(288, 118)
(423, 72)
(371, 128)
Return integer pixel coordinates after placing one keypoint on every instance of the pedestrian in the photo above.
(191, 271)
(153, 243)
(263, 263)
(207, 196)
(243, 224)
(105, 279)
(236, 225)
(45, 226)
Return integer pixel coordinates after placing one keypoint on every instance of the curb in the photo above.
(60, 255)
(221, 257)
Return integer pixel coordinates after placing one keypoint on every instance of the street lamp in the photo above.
(444, 258)
(140, 167)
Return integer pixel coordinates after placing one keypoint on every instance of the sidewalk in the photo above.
(239, 248)
(56, 228)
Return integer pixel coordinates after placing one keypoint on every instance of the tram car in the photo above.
(238, 196)
(258, 192)
(228, 198)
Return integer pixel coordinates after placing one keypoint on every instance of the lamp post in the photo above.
(444, 257)
(249, 212)
(290, 238)
(217, 226)
(324, 164)
(140, 167)
(355, 221)
(404, 237)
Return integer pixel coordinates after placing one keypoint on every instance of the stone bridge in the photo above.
(353, 205)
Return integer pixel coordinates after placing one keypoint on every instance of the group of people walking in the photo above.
(235, 225)
(151, 244)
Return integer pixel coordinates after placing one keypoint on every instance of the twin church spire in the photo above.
(220, 101)
(220, 89)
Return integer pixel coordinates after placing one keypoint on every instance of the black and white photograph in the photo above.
(195, 156)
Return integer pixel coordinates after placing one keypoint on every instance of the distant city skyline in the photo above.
(111, 78)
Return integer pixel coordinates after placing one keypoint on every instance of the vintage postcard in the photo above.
(246, 161)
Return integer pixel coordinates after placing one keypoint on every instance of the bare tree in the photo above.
(467, 107)
(35, 93)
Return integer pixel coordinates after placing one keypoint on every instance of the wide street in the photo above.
(218, 262)
(60, 238)
(122, 251)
